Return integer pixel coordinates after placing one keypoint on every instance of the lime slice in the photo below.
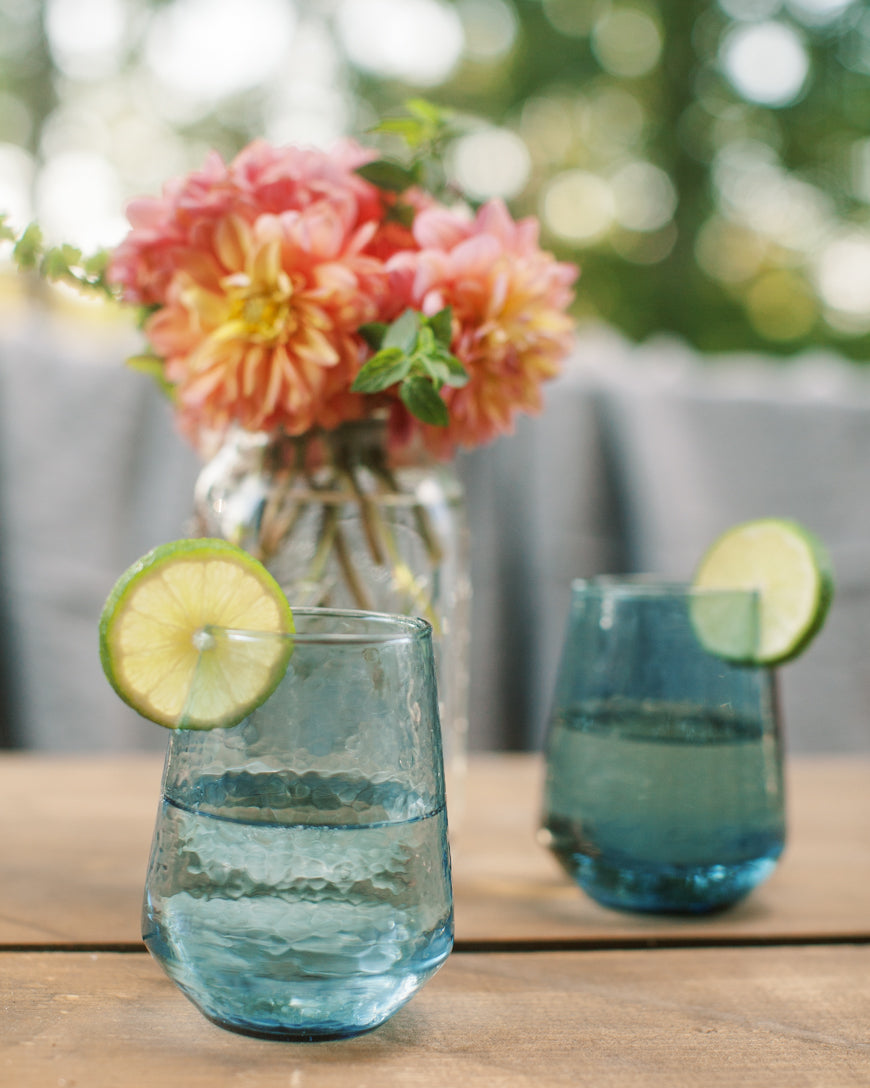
(791, 573)
(162, 628)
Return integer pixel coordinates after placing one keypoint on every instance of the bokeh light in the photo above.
(309, 102)
(842, 275)
(78, 196)
(418, 41)
(644, 197)
(781, 306)
(547, 127)
(210, 49)
(818, 12)
(86, 37)
(17, 173)
(728, 251)
(627, 41)
(766, 62)
(707, 162)
(573, 18)
(756, 191)
(493, 162)
(750, 10)
(613, 120)
(489, 26)
(578, 206)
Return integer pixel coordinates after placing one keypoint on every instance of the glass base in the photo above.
(284, 1035)
(296, 1008)
(667, 889)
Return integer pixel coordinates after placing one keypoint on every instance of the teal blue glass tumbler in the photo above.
(664, 776)
(299, 884)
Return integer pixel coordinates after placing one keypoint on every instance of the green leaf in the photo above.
(57, 264)
(406, 127)
(424, 124)
(381, 371)
(373, 333)
(419, 396)
(444, 369)
(28, 248)
(426, 344)
(7, 234)
(401, 213)
(435, 368)
(457, 375)
(427, 111)
(388, 175)
(403, 332)
(441, 325)
(96, 264)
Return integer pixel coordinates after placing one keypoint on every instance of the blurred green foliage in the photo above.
(757, 284)
(705, 162)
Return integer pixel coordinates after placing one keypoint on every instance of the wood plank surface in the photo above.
(510, 889)
(76, 837)
(662, 1018)
(77, 831)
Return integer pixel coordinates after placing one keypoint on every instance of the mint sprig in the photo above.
(425, 132)
(414, 353)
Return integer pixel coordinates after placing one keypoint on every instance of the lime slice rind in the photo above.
(789, 569)
(194, 634)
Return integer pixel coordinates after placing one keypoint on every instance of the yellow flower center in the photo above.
(265, 315)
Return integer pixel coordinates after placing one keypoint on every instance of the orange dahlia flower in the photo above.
(262, 330)
(262, 179)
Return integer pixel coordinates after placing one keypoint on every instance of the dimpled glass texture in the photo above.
(299, 883)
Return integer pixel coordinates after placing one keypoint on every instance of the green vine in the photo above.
(60, 264)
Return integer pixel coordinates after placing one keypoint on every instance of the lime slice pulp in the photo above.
(163, 645)
(789, 570)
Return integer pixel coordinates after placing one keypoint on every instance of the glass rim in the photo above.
(375, 629)
(653, 585)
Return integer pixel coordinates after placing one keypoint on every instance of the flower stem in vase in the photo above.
(339, 525)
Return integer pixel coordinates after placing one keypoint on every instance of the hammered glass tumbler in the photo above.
(299, 884)
(664, 779)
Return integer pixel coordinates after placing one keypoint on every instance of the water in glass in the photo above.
(295, 891)
(664, 785)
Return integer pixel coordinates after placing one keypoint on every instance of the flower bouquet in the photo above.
(331, 327)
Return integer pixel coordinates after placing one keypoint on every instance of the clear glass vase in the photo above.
(299, 882)
(341, 525)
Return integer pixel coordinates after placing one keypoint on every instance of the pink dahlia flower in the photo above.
(510, 329)
(168, 230)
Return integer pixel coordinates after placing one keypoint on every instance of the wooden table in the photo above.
(544, 988)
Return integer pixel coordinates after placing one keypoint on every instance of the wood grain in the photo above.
(76, 838)
(77, 831)
(510, 889)
(675, 1018)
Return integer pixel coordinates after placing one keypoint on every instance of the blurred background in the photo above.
(706, 162)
